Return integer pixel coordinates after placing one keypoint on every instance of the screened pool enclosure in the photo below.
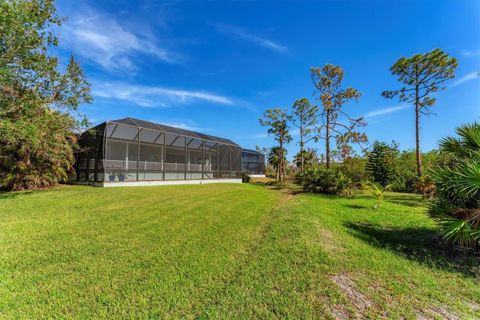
(253, 162)
(136, 150)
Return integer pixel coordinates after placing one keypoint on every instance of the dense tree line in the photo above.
(38, 100)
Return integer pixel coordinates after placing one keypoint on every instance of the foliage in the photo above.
(246, 178)
(328, 82)
(378, 191)
(323, 180)
(457, 198)
(270, 171)
(381, 162)
(277, 158)
(422, 75)
(354, 168)
(276, 121)
(308, 156)
(36, 98)
(304, 117)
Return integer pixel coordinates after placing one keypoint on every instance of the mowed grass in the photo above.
(226, 251)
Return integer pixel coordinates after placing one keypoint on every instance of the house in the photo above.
(128, 152)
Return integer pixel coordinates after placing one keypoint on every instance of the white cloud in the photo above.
(103, 40)
(471, 53)
(465, 78)
(183, 125)
(154, 96)
(244, 34)
(259, 136)
(381, 112)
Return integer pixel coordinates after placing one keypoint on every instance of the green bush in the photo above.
(354, 170)
(246, 178)
(322, 180)
(457, 182)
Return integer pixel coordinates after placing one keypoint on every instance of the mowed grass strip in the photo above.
(226, 251)
(143, 252)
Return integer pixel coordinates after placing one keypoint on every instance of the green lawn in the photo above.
(226, 251)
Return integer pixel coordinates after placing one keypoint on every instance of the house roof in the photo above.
(163, 128)
(251, 151)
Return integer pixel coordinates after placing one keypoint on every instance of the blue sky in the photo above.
(216, 66)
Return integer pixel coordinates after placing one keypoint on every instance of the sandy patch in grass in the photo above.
(436, 313)
(356, 298)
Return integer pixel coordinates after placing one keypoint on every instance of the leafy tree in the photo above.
(381, 162)
(457, 195)
(304, 117)
(422, 75)
(277, 158)
(308, 157)
(328, 82)
(36, 98)
(276, 121)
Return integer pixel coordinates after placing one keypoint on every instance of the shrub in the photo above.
(457, 182)
(381, 162)
(354, 170)
(246, 178)
(322, 180)
(377, 191)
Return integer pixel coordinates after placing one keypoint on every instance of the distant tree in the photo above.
(328, 82)
(38, 100)
(422, 75)
(304, 117)
(276, 121)
(381, 162)
(308, 157)
(265, 151)
(276, 159)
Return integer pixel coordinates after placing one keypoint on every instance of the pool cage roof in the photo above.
(166, 129)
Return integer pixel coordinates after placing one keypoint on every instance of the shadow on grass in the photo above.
(13, 195)
(356, 206)
(419, 244)
(406, 200)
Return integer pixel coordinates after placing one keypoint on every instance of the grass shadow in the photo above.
(356, 206)
(423, 245)
(410, 200)
(13, 194)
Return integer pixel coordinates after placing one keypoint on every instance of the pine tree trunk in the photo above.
(302, 164)
(417, 134)
(280, 162)
(327, 142)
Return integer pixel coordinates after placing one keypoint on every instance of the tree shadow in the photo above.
(13, 195)
(406, 200)
(418, 244)
(356, 206)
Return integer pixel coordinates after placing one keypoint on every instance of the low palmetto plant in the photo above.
(377, 191)
(457, 201)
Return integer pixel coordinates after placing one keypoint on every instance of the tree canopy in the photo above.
(422, 75)
(335, 121)
(39, 99)
(276, 121)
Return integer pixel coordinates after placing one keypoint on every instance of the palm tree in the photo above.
(457, 201)
(277, 158)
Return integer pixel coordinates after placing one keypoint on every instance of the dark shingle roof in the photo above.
(173, 130)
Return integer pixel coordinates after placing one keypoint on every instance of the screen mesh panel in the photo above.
(132, 149)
